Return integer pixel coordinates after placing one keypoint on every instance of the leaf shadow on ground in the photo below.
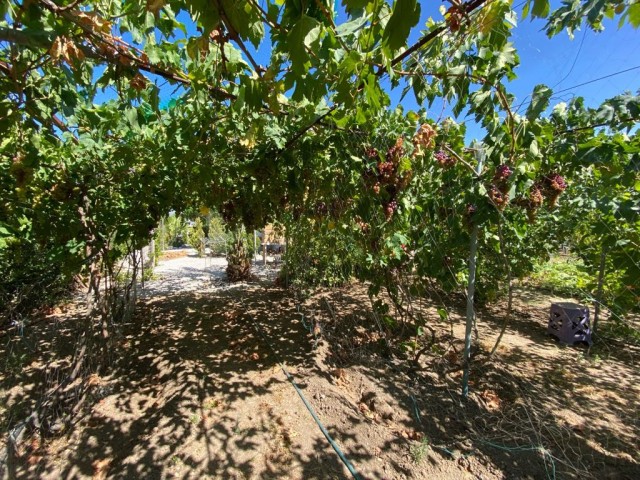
(197, 393)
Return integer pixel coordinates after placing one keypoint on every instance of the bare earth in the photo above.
(199, 391)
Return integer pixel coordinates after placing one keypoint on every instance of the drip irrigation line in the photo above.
(324, 431)
(531, 448)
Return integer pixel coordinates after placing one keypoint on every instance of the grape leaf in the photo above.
(539, 101)
(303, 35)
(540, 9)
(406, 14)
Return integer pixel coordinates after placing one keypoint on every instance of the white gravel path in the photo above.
(191, 273)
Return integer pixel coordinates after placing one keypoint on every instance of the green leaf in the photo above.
(132, 117)
(539, 101)
(353, 5)
(372, 91)
(534, 149)
(405, 15)
(540, 9)
(204, 15)
(302, 36)
(633, 13)
(349, 28)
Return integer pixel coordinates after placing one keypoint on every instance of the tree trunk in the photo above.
(238, 261)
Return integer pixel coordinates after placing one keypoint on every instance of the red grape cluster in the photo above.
(535, 197)
(364, 226)
(371, 152)
(503, 172)
(454, 17)
(390, 208)
(556, 182)
(470, 211)
(444, 159)
(384, 179)
(395, 153)
(535, 201)
(386, 171)
(498, 198)
(321, 209)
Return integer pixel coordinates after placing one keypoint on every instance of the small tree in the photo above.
(239, 262)
(195, 237)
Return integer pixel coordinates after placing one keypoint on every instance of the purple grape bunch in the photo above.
(503, 172)
(557, 182)
(444, 159)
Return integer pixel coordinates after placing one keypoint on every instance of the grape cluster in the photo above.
(444, 159)
(503, 172)
(390, 208)
(534, 202)
(386, 171)
(498, 198)
(535, 197)
(556, 182)
(138, 82)
(423, 138)
(228, 211)
(321, 209)
(471, 209)
(364, 226)
(454, 17)
(371, 152)
(384, 179)
(395, 153)
(469, 213)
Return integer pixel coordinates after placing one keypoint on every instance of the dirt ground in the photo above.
(199, 391)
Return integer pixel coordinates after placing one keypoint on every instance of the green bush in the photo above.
(33, 276)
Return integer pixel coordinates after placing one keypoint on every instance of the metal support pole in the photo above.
(264, 247)
(598, 300)
(255, 246)
(471, 287)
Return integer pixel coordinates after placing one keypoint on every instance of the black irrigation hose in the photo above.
(324, 431)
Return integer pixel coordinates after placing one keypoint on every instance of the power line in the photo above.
(597, 79)
(575, 60)
(555, 93)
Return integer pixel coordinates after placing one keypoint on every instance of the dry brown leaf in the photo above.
(138, 82)
(94, 22)
(491, 399)
(154, 6)
(56, 48)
